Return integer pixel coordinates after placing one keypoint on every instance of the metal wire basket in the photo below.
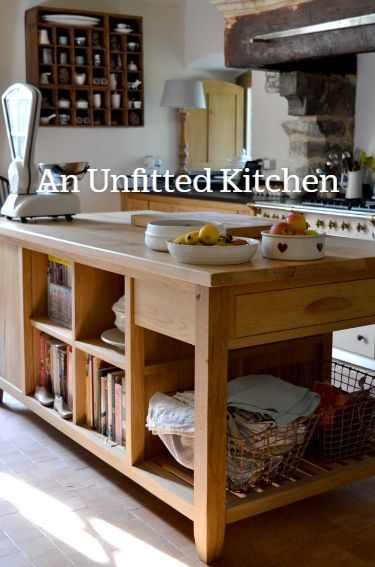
(346, 425)
(261, 451)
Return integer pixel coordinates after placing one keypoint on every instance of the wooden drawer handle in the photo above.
(328, 304)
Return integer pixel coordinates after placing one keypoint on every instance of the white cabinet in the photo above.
(359, 340)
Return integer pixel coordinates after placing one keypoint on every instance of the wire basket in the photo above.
(346, 425)
(262, 452)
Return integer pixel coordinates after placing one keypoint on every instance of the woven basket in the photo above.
(258, 458)
(349, 430)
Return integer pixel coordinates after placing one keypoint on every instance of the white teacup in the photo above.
(133, 46)
(123, 26)
(80, 78)
(137, 104)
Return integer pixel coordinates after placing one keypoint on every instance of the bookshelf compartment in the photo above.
(52, 366)
(95, 293)
(100, 397)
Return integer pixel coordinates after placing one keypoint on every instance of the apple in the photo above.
(282, 228)
(297, 222)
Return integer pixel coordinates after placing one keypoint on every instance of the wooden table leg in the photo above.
(210, 456)
(134, 360)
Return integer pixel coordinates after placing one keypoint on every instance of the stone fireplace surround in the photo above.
(325, 107)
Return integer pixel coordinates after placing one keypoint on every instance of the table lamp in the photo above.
(183, 94)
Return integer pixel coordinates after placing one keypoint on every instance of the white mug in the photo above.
(97, 100)
(43, 37)
(133, 46)
(354, 187)
(137, 104)
(116, 100)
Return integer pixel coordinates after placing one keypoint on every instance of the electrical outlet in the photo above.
(269, 163)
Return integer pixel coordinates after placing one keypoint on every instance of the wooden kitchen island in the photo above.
(186, 327)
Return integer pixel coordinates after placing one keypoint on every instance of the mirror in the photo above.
(21, 106)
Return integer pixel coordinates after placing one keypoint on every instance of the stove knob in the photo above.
(319, 223)
(361, 227)
(275, 216)
(266, 215)
(345, 226)
(332, 224)
(283, 217)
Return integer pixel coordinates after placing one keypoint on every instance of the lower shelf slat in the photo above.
(321, 481)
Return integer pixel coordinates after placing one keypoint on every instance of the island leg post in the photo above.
(1, 396)
(210, 440)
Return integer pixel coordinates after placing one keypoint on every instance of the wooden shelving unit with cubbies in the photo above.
(89, 75)
(185, 327)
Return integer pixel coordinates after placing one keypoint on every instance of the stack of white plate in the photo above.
(123, 30)
(71, 20)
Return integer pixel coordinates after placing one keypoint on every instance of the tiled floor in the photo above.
(61, 506)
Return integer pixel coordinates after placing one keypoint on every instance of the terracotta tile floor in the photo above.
(61, 506)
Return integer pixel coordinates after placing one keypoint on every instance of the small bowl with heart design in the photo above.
(293, 247)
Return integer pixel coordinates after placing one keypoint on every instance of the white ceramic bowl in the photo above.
(307, 247)
(118, 309)
(214, 255)
(63, 103)
(82, 104)
(160, 230)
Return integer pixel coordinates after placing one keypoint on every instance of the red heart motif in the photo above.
(320, 246)
(282, 247)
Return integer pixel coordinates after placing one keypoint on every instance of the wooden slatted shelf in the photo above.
(52, 328)
(310, 479)
(98, 348)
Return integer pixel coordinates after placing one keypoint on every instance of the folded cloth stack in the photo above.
(172, 419)
(270, 396)
(167, 414)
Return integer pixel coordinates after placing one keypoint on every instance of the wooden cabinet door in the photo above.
(11, 315)
(216, 133)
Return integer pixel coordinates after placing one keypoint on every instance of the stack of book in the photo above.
(105, 399)
(55, 362)
(60, 291)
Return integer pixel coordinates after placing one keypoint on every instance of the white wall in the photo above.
(269, 111)
(364, 136)
(204, 35)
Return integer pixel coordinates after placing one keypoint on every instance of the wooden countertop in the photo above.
(110, 241)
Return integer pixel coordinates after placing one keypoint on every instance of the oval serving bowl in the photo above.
(214, 255)
(289, 247)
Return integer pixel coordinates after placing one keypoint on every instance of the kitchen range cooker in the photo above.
(337, 217)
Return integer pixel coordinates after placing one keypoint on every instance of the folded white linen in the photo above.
(271, 396)
(168, 415)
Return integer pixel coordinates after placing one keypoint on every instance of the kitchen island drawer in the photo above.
(360, 340)
(268, 312)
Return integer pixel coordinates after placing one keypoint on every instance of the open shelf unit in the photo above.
(88, 75)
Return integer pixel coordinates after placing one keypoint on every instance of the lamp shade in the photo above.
(183, 93)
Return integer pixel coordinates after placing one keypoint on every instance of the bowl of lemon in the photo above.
(207, 246)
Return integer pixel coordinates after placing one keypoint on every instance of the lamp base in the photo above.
(182, 171)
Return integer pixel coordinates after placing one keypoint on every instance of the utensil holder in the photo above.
(354, 187)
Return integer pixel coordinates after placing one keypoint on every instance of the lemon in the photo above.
(209, 234)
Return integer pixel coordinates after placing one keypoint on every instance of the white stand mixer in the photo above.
(21, 106)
